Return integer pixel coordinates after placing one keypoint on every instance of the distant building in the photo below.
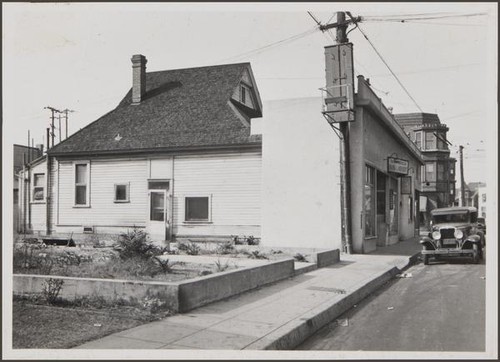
(438, 173)
(481, 201)
(22, 155)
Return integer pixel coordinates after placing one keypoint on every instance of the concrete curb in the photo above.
(297, 331)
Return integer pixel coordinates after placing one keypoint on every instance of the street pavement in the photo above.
(278, 316)
(441, 307)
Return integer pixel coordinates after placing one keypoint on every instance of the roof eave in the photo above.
(242, 146)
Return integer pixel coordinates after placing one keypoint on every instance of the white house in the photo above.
(175, 157)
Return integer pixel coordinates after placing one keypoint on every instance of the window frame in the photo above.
(87, 184)
(418, 139)
(431, 139)
(198, 221)
(34, 187)
(127, 193)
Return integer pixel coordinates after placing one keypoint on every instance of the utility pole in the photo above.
(462, 179)
(53, 110)
(66, 118)
(341, 27)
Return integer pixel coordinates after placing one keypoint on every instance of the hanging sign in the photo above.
(406, 185)
(397, 165)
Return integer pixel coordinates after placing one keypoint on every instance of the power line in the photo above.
(267, 47)
(404, 19)
(388, 67)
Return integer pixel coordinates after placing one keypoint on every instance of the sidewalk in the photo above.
(278, 316)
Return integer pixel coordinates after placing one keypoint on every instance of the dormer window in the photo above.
(246, 95)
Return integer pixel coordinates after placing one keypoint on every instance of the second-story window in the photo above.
(440, 172)
(430, 174)
(418, 139)
(430, 141)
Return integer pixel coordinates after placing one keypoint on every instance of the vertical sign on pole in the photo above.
(339, 91)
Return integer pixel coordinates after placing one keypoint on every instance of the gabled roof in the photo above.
(181, 109)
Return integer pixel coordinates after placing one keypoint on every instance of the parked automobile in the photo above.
(481, 224)
(454, 232)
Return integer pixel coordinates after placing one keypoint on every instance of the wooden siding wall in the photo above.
(103, 211)
(38, 209)
(234, 183)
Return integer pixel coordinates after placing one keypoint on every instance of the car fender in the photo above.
(428, 243)
(471, 240)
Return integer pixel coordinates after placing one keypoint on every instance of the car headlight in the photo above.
(436, 235)
(458, 234)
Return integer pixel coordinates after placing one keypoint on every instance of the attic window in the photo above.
(246, 95)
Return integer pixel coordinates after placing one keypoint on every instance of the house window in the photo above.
(82, 184)
(122, 192)
(38, 186)
(430, 141)
(244, 92)
(418, 139)
(369, 201)
(484, 197)
(429, 172)
(440, 172)
(197, 208)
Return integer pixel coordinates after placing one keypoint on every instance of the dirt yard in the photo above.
(44, 326)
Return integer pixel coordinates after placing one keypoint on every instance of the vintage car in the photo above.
(454, 232)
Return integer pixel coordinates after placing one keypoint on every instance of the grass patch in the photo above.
(43, 326)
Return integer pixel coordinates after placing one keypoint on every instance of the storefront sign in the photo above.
(406, 185)
(397, 165)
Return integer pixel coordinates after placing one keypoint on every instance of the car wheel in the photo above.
(475, 254)
(426, 259)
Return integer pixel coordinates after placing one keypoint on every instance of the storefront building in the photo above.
(384, 175)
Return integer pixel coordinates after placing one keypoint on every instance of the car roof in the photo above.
(453, 210)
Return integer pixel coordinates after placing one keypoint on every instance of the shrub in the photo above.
(164, 264)
(252, 240)
(51, 289)
(256, 254)
(136, 243)
(226, 248)
(221, 266)
(300, 257)
(189, 248)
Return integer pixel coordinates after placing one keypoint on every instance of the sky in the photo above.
(77, 56)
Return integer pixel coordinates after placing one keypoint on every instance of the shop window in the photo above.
(381, 194)
(197, 208)
(38, 187)
(369, 202)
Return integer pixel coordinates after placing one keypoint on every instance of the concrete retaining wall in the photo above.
(127, 291)
(201, 291)
(179, 296)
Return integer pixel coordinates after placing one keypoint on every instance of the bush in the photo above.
(51, 289)
(189, 248)
(300, 257)
(136, 243)
(256, 255)
(221, 266)
(226, 248)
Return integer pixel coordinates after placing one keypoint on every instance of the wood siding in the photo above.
(234, 183)
(233, 180)
(103, 211)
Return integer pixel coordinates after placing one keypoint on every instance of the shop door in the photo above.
(393, 207)
(381, 209)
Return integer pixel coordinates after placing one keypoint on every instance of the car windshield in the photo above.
(450, 218)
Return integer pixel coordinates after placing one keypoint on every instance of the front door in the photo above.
(157, 218)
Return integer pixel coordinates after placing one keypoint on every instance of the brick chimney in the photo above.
(138, 78)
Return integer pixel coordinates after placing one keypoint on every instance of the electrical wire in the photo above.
(367, 18)
(269, 46)
(388, 67)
